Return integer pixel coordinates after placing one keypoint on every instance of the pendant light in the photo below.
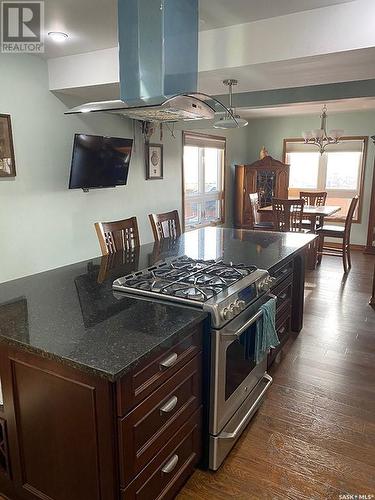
(227, 120)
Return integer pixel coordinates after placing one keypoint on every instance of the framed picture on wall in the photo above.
(7, 161)
(154, 161)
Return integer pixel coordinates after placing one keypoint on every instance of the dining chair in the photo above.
(314, 198)
(165, 225)
(117, 235)
(287, 215)
(256, 222)
(341, 232)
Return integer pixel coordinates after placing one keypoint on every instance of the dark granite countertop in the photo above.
(72, 315)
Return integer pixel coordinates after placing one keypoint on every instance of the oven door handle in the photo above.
(244, 421)
(235, 335)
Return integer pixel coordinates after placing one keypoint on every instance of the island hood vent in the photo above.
(158, 51)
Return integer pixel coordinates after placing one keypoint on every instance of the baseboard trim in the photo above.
(369, 250)
(334, 244)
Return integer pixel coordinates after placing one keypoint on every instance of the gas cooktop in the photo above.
(223, 289)
(186, 278)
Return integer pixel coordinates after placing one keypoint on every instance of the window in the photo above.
(203, 180)
(339, 171)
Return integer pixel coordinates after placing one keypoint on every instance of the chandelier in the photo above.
(319, 136)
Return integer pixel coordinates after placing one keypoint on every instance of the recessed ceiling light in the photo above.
(58, 36)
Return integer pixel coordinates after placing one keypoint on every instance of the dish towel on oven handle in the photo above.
(266, 335)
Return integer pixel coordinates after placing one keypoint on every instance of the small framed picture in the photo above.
(7, 161)
(154, 161)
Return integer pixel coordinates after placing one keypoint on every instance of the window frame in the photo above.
(361, 183)
(222, 174)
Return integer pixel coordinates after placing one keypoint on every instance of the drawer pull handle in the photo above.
(169, 361)
(283, 296)
(170, 465)
(282, 330)
(169, 406)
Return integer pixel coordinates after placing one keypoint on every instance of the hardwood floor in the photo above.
(314, 436)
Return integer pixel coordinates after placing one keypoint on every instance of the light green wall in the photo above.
(270, 132)
(44, 225)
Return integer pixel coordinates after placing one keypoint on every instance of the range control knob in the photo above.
(235, 308)
(226, 313)
(263, 285)
(241, 304)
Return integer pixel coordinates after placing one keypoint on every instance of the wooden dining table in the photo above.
(313, 213)
(316, 216)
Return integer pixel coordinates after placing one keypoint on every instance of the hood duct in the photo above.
(158, 48)
(158, 62)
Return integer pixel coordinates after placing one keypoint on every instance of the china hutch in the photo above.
(267, 177)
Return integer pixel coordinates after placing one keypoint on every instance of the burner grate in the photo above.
(188, 278)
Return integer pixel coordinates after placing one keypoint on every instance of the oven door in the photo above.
(234, 371)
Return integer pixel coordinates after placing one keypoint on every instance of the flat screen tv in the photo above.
(99, 162)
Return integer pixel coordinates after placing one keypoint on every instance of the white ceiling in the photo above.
(315, 70)
(310, 108)
(322, 69)
(220, 13)
(92, 24)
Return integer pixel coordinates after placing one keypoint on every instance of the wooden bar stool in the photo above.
(117, 235)
(165, 225)
(340, 232)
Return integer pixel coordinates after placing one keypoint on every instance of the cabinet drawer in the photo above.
(153, 422)
(283, 326)
(283, 330)
(150, 374)
(282, 272)
(164, 476)
(283, 291)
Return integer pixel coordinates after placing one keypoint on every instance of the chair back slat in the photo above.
(314, 198)
(288, 214)
(166, 225)
(349, 217)
(117, 235)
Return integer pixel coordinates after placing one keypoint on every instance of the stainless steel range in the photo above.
(232, 295)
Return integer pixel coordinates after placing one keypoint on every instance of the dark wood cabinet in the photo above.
(60, 431)
(157, 419)
(139, 383)
(289, 287)
(164, 476)
(267, 177)
(66, 434)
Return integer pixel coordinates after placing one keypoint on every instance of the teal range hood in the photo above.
(158, 63)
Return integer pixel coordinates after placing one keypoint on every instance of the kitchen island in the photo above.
(87, 374)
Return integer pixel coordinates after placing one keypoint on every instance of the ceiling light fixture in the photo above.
(227, 120)
(319, 136)
(58, 36)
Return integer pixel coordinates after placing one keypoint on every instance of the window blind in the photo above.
(204, 141)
